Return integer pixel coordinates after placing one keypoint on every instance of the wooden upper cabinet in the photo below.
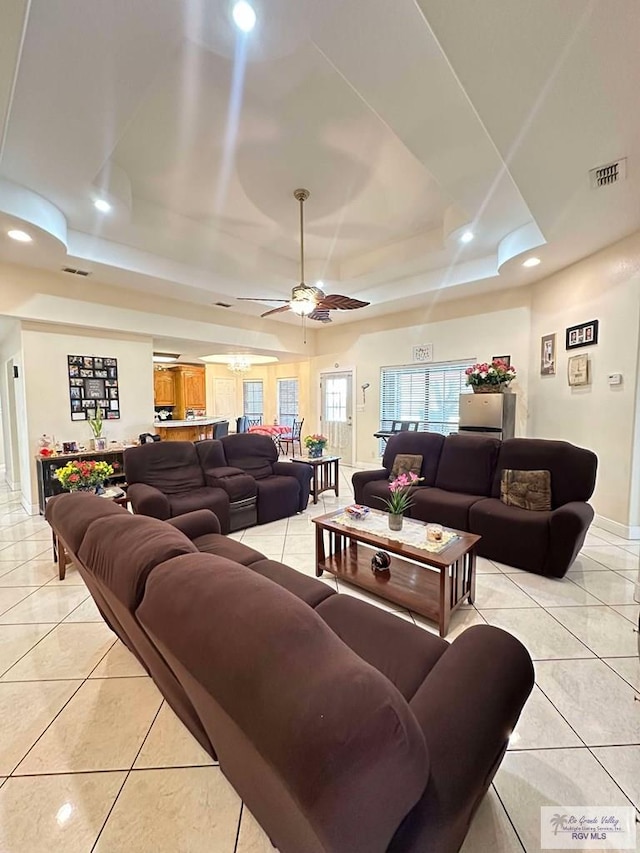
(194, 388)
(190, 383)
(164, 388)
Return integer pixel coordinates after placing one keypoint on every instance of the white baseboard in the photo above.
(30, 509)
(626, 531)
(13, 486)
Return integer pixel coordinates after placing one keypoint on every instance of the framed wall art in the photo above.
(505, 359)
(93, 385)
(578, 370)
(548, 355)
(582, 335)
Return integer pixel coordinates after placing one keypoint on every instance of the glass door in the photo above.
(336, 413)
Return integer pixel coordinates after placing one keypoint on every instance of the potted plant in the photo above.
(490, 378)
(399, 499)
(315, 444)
(99, 441)
(83, 475)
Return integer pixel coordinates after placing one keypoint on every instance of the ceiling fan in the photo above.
(306, 299)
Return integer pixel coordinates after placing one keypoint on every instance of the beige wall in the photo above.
(458, 330)
(269, 374)
(606, 287)
(45, 351)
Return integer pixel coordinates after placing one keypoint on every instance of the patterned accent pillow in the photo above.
(406, 463)
(526, 489)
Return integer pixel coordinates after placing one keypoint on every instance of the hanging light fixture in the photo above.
(239, 364)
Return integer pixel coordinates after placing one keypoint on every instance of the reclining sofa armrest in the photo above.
(361, 478)
(467, 707)
(215, 476)
(302, 473)
(147, 500)
(200, 522)
(568, 527)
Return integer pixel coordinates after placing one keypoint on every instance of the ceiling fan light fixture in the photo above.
(303, 307)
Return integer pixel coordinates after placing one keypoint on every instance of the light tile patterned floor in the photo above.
(92, 758)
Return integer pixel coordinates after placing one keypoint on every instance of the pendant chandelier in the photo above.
(239, 364)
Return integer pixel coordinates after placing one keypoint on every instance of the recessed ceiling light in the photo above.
(531, 262)
(20, 236)
(244, 16)
(467, 237)
(102, 205)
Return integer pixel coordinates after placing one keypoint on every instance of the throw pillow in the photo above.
(406, 463)
(526, 489)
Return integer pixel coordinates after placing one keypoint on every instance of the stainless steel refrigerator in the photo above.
(490, 414)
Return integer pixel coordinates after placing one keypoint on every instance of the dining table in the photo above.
(269, 429)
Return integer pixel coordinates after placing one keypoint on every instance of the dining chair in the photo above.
(290, 438)
(254, 421)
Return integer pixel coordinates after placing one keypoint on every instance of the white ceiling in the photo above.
(408, 121)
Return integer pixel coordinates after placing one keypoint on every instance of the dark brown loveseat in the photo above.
(343, 728)
(461, 489)
(239, 478)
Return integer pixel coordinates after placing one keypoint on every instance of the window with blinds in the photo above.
(287, 401)
(252, 398)
(425, 393)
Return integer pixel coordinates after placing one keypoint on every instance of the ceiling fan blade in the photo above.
(334, 301)
(259, 299)
(320, 314)
(276, 310)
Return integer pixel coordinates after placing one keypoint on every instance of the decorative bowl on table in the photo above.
(357, 511)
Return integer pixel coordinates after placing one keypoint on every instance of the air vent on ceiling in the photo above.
(223, 304)
(74, 271)
(612, 173)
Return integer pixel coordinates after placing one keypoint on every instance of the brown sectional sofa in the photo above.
(461, 489)
(239, 478)
(343, 728)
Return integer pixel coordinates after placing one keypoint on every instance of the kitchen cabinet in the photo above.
(164, 388)
(190, 384)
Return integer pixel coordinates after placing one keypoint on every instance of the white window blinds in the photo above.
(287, 401)
(253, 406)
(425, 393)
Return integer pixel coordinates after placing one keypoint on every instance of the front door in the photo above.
(336, 413)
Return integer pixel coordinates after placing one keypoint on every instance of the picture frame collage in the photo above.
(578, 366)
(93, 385)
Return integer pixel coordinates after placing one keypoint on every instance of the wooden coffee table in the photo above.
(325, 473)
(433, 585)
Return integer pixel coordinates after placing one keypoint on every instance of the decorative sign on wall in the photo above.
(578, 370)
(93, 385)
(424, 352)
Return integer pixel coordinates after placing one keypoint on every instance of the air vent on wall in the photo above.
(222, 304)
(74, 271)
(612, 173)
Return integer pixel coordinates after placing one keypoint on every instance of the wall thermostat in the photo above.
(615, 379)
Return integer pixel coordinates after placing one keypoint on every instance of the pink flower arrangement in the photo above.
(496, 373)
(399, 499)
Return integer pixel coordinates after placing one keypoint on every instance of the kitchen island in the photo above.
(192, 429)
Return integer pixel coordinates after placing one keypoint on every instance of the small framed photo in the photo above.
(505, 359)
(583, 335)
(578, 370)
(548, 355)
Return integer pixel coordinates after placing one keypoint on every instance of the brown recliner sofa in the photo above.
(343, 728)
(238, 478)
(461, 489)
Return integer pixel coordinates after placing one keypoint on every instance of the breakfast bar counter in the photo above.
(193, 429)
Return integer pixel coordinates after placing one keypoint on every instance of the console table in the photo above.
(47, 465)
